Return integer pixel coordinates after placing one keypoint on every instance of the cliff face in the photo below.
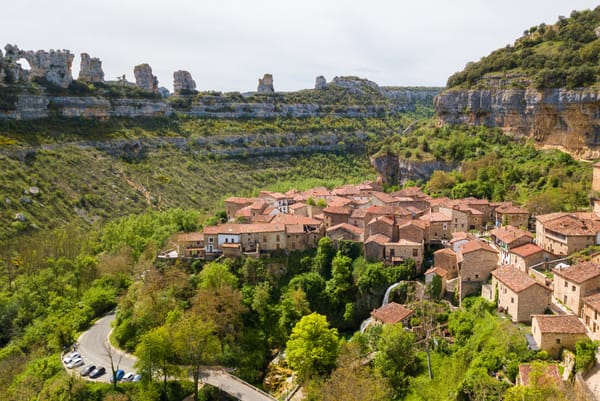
(566, 119)
(394, 170)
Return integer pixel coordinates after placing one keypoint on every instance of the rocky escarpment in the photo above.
(562, 118)
(394, 170)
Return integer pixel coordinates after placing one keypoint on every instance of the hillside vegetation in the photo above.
(564, 54)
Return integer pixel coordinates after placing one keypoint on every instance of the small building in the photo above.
(549, 375)
(400, 251)
(345, 231)
(190, 245)
(374, 248)
(591, 313)
(234, 203)
(438, 229)
(392, 313)
(525, 256)
(518, 294)
(572, 284)
(566, 233)
(508, 214)
(508, 237)
(476, 260)
(335, 215)
(555, 332)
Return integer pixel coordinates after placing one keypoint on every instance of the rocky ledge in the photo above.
(564, 118)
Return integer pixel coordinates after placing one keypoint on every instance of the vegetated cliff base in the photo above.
(561, 118)
(393, 169)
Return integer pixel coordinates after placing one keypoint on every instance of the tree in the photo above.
(585, 354)
(340, 285)
(434, 289)
(155, 356)
(196, 344)
(396, 357)
(352, 381)
(115, 360)
(325, 254)
(312, 347)
(292, 307)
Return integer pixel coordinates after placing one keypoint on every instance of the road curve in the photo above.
(93, 345)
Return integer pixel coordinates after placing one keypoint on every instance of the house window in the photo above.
(595, 315)
(415, 252)
(445, 226)
(264, 238)
(277, 238)
(565, 299)
(477, 276)
(210, 240)
(566, 284)
(573, 288)
(512, 300)
(558, 340)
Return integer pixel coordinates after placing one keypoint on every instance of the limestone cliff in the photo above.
(393, 170)
(562, 118)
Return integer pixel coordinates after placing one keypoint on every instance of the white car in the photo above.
(75, 362)
(128, 377)
(69, 357)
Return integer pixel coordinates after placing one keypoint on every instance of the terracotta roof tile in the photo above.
(190, 237)
(476, 245)
(526, 250)
(240, 201)
(580, 272)
(436, 217)
(510, 234)
(513, 278)
(378, 238)
(550, 373)
(295, 219)
(593, 301)
(337, 210)
(391, 313)
(573, 226)
(348, 227)
(560, 324)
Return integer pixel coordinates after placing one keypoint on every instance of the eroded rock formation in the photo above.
(144, 78)
(265, 85)
(91, 69)
(320, 82)
(54, 66)
(569, 119)
(183, 82)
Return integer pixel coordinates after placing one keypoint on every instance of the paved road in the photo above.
(93, 348)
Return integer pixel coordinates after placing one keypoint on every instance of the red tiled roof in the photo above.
(240, 201)
(274, 195)
(580, 272)
(359, 213)
(440, 271)
(476, 245)
(337, 210)
(526, 250)
(388, 210)
(190, 237)
(295, 219)
(550, 373)
(237, 229)
(445, 250)
(391, 313)
(436, 217)
(298, 205)
(385, 198)
(510, 209)
(345, 226)
(510, 234)
(513, 278)
(382, 219)
(573, 226)
(294, 228)
(379, 238)
(560, 324)
(593, 301)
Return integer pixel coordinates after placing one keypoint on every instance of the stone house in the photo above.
(233, 204)
(518, 294)
(591, 313)
(508, 237)
(550, 375)
(459, 218)
(525, 256)
(336, 215)
(277, 200)
(393, 212)
(476, 260)
(250, 237)
(357, 218)
(383, 225)
(446, 259)
(392, 313)
(483, 206)
(412, 230)
(383, 199)
(402, 250)
(555, 332)
(508, 214)
(374, 248)
(438, 228)
(572, 284)
(190, 245)
(299, 209)
(566, 233)
(345, 231)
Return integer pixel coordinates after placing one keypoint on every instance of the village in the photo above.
(493, 249)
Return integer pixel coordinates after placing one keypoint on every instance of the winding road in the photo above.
(93, 346)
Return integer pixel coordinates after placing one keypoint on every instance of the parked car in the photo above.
(69, 357)
(99, 371)
(128, 377)
(136, 378)
(118, 375)
(75, 362)
(87, 370)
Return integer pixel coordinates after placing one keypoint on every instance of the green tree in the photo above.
(396, 358)
(155, 356)
(312, 347)
(196, 344)
(292, 307)
(324, 257)
(585, 354)
(434, 289)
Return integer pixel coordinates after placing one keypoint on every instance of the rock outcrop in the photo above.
(183, 82)
(265, 85)
(394, 170)
(54, 66)
(568, 119)
(90, 70)
(320, 82)
(355, 85)
(144, 78)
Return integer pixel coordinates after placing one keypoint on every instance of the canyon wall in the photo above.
(563, 118)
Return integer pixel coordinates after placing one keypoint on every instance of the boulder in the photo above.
(91, 69)
(144, 78)
(183, 82)
(320, 82)
(265, 85)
